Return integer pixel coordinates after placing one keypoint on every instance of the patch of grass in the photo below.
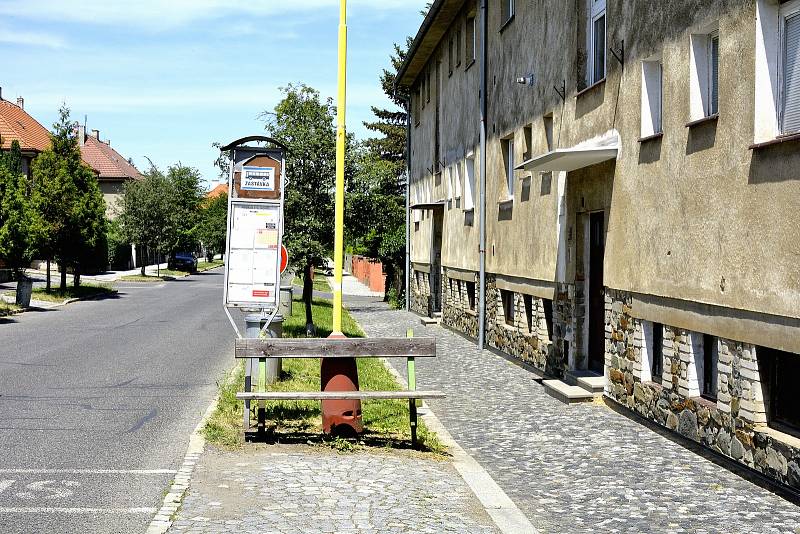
(166, 275)
(385, 421)
(320, 282)
(207, 266)
(7, 309)
(84, 291)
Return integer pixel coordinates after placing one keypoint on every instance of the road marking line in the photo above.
(88, 471)
(51, 510)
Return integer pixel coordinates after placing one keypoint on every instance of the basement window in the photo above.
(471, 295)
(530, 313)
(507, 299)
(652, 352)
(547, 304)
(704, 349)
(779, 372)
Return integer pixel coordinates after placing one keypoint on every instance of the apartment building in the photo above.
(636, 226)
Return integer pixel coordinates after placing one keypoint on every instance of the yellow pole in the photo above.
(338, 245)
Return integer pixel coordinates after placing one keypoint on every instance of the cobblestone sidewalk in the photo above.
(579, 468)
(298, 489)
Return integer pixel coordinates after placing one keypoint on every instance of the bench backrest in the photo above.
(337, 348)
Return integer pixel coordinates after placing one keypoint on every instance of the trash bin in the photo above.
(24, 291)
(254, 325)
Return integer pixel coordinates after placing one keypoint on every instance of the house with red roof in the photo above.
(17, 125)
(112, 169)
(218, 191)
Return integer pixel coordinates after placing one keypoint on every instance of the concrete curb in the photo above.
(505, 514)
(177, 491)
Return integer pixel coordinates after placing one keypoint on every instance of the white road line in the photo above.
(88, 471)
(50, 510)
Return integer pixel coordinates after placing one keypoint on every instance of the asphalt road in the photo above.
(97, 402)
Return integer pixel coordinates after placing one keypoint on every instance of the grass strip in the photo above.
(386, 422)
(84, 291)
(7, 308)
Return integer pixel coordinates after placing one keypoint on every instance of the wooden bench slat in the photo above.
(336, 348)
(339, 395)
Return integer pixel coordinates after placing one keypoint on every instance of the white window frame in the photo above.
(710, 111)
(652, 97)
(770, 20)
(597, 9)
(787, 11)
(701, 74)
(508, 158)
(449, 177)
(469, 183)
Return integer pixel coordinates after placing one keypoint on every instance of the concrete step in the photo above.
(427, 321)
(566, 393)
(594, 384)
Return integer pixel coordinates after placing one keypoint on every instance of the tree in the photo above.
(213, 227)
(187, 195)
(305, 124)
(18, 220)
(68, 199)
(147, 216)
(376, 195)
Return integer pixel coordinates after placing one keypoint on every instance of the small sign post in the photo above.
(255, 227)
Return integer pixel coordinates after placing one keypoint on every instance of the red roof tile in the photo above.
(221, 189)
(107, 162)
(16, 124)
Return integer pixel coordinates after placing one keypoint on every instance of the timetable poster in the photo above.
(253, 262)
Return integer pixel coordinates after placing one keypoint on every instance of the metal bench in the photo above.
(409, 348)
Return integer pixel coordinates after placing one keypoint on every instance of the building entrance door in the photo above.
(596, 297)
(436, 262)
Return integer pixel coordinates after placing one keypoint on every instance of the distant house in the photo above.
(17, 125)
(218, 191)
(112, 169)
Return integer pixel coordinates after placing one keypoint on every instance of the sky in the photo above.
(164, 79)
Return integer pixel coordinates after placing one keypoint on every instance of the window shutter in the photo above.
(791, 75)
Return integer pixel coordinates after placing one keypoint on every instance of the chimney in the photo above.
(81, 134)
(1, 93)
(21, 102)
(96, 134)
(108, 142)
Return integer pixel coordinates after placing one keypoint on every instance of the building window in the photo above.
(508, 159)
(450, 52)
(652, 97)
(790, 68)
(472, 40)
(416, 97)
(597, 41)
(471, 295)
(458, 47)
(469, 184)
(428, 86)
(708, 388)
(507, 298)
(530, 314)
(653, 352)
(780, 370)
(704, 75)
(507, 7)
(547, 304)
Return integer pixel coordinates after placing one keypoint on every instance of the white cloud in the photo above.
(166, 14)
(29, 38)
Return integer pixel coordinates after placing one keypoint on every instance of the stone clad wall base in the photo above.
(733, 425)
(456, 313)
(420, 293)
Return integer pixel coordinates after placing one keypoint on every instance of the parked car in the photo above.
(182, 261)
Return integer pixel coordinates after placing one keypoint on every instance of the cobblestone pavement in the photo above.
(291, 489)
(580, 468)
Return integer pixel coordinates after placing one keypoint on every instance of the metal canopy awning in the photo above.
(569, 159)
(427, 205)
